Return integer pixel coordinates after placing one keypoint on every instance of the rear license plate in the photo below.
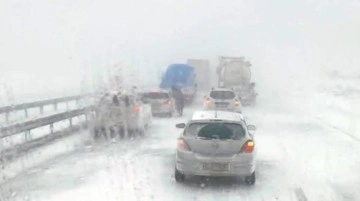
(157, 104)
(221, 167)
(219, 104)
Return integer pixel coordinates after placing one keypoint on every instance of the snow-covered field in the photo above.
(299, 155)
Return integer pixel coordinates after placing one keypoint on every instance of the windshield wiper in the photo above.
(204, 138)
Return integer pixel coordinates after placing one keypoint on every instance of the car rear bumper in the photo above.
(238, 165)
(230, 109)
(161, 110)
(188, 97)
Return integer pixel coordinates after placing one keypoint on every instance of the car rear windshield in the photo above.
(223, 131)
(156, 95)
(222, 94)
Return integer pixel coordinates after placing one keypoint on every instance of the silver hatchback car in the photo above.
(161, 102)
(222, 99)
(216, 143)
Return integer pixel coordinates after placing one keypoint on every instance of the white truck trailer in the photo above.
(202, 71)
(235, 73)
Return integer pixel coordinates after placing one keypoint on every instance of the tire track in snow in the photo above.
(329, 125)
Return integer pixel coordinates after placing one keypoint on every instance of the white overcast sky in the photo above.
(52, 44)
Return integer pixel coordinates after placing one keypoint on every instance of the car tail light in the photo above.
(207, 102)
(167, 101)
(137, 108)
(237, 102)
(182, 145)
(248, 147)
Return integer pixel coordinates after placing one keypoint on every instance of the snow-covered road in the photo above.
(299, 158)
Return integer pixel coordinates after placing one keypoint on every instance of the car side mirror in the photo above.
(251, 127)
(181, 125)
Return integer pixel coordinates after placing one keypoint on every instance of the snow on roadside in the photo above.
(340, 111)
(328, 124)
(42, 154)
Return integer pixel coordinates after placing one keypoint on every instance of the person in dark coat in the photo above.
(179, 99)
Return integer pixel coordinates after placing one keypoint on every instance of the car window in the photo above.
(216, 130)
(222, 94)
(155, 95)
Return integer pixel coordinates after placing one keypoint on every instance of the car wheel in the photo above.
(131, 133)
(112, 132)
(179, 177)
(98, 132)
(141, 132)
(95, 133)
(253, 104)
(170, 114)
(250, 180)
(121, 132)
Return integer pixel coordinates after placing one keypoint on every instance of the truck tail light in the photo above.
(248, 147)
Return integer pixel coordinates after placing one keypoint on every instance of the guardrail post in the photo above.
(52, 128)
(7, 116)
(27, 136)
(55, 106)
(26, 113)
(70, 122)
(67, 105)
(41, 109)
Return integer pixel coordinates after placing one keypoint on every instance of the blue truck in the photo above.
(181, 76)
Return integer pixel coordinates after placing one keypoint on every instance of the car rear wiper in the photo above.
(213, 137)
(226, 139)
(204, 138)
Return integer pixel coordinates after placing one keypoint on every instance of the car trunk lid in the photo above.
(215, 147)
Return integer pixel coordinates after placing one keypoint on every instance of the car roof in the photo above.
(217, 115)
(221, 89)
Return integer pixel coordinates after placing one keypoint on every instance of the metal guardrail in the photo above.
(42, 121)
(25, 106)
(12, 152)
